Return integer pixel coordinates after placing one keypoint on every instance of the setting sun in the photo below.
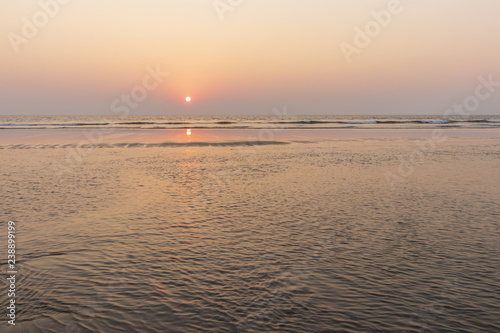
(337, 169)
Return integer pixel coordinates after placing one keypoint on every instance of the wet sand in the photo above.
(315, 231)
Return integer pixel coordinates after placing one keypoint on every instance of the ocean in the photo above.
(252, 224)
(280, 120)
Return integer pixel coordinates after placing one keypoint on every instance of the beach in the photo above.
(233, 166)
(256, 230)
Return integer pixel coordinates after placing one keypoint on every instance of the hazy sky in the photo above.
(247, 56)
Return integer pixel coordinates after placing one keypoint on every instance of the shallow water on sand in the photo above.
(300, 237)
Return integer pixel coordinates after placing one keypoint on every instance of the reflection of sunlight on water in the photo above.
(188, 131)
(204, 214)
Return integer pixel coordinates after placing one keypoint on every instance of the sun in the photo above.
(188, 99)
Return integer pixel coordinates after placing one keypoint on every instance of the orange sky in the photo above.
(247, 59)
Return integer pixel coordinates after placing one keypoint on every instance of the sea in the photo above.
(280, 120)
(378, 224)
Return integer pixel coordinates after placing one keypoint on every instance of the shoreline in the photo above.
(155, 136)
